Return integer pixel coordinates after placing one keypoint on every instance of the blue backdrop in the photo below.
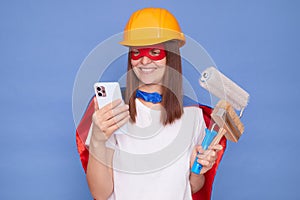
(43, 43)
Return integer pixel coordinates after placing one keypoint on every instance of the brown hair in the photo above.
(172, 86)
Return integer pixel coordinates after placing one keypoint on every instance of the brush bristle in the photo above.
(225, 116)
(232, 114)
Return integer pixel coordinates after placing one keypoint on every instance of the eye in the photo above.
(135, 52)
(154, 52)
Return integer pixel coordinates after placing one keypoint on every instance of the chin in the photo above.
(149, 82)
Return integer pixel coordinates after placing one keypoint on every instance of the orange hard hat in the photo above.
(150, 26)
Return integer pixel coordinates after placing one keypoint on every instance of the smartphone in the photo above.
(106, 92)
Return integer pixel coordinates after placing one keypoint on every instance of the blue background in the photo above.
(43, 43)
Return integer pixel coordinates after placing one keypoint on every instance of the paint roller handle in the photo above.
(209, 136)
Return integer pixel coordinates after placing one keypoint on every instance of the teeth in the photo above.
(147, 69)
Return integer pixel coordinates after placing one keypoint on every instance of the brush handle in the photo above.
(209, 136)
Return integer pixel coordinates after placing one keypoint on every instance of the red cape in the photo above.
(84, 126)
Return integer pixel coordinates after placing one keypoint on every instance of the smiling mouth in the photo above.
(147, 70)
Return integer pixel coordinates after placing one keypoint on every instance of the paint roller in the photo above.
(231, 97)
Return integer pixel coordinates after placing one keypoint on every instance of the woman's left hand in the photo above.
(206, 158)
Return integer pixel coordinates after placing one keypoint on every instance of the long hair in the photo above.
(171, 86)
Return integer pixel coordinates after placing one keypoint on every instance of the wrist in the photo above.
(98, 135)
(197, 175)
(98, 149)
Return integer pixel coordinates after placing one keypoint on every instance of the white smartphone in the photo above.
(106, 92)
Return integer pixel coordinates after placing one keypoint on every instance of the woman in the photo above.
(127, 166)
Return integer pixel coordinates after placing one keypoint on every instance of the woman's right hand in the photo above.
(108, 119)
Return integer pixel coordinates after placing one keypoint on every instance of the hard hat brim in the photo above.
(148, 42)
(150, 36)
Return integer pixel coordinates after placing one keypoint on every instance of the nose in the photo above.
(145, 60)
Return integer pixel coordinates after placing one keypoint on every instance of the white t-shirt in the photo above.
(152, 161)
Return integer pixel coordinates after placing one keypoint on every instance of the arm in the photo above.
(207, 159)
(196, 181)
(99, 170)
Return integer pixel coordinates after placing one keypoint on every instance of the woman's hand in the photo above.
(206, 158)
(108, 119)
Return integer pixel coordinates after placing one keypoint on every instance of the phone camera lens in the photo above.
(99, 94)
(98, 89)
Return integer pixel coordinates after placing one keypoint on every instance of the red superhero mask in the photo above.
(154, 52)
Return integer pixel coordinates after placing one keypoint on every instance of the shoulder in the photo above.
(190, 103)
(205, 109)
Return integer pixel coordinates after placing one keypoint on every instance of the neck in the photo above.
(151, 88)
